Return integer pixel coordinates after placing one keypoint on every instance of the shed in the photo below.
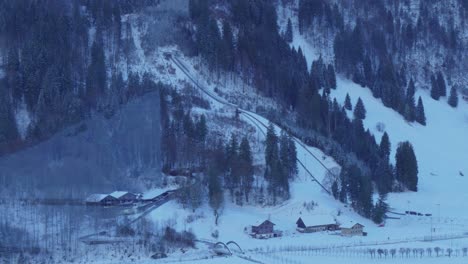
(316, 223)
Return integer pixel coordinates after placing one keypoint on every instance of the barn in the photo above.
(124, 197)
(101, 199)
(264, 230)
(318, 223)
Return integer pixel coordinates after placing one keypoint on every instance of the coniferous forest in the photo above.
(66, 61)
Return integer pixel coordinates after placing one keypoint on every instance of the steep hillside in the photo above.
(441, 145)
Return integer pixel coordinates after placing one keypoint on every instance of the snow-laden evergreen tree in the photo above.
(288, 154)
(271, 145)
(441, 84)
(453, 98)
(385, 146)
(406, 167)
(420, 115)
(410, 107)
(334, 189)
(331, 76)
(347, 103)
(228, 49)
(96, 78)
(435, 91)
(380, 209)
(215, 192)
(246, 167)
(359, 110)
(232, 179)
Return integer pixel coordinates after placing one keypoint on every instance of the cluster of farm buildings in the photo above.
(123, 198)
(266, 228)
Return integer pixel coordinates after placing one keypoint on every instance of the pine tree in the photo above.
(380, 209)
(331, 76)
(271, 142)
(347, 103)
(410, 106)
(8, 129)
(334, 189)
(385, 146)
(406, 166)
(228, 47)
(420, 115)
(453, 98)
(441, 84)
(435, 91)
(246, 167)
(201, 129)
(383, 176)
(288, 35)
(287, 154)
(292, 155)
(359, 110)
(215, 192)
(232, 156)
(96, 78)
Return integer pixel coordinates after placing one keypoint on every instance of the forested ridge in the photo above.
(62, 62)
(59, 60)
(261, 55)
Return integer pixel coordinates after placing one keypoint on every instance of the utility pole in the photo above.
(431, 228)
(451, 231)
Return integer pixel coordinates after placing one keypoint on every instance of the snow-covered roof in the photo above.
(95, 198)
(267, 222)
(353, 225)
(315, 220)
(118, 194)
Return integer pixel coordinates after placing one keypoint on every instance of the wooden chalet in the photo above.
(355, 230)
(264, 230)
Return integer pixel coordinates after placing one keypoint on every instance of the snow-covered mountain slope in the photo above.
(303, 190)
(441, 146)
(440, 149)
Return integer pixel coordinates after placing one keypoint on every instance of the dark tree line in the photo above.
(374, 48)
(54, 68)
(280, 163)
